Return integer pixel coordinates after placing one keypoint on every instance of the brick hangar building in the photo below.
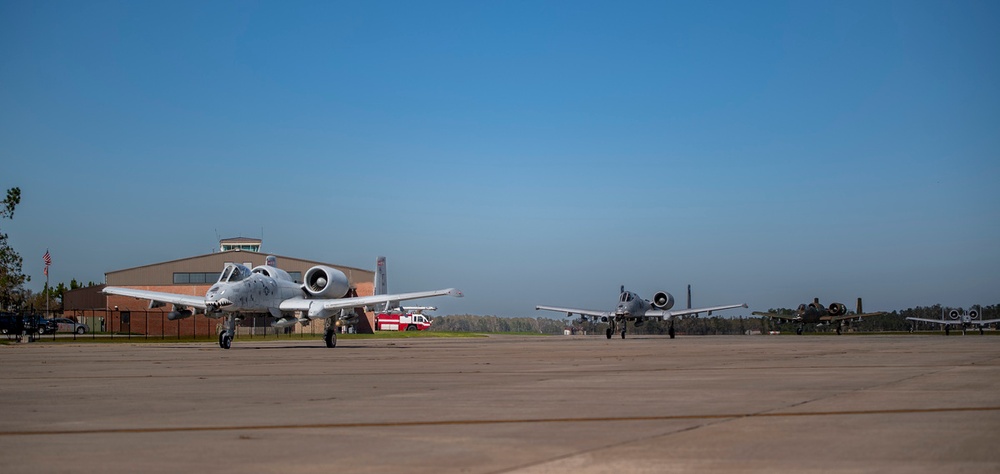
(194, 276)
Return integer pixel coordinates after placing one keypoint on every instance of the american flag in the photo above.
(48, 261)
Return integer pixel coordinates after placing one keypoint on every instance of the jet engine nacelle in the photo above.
(954, 314)
(325, 282)
(837, 309)
(663, 300)
(973, 314)
(175, 315)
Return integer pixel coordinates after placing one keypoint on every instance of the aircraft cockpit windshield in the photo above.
(625, 298)
(233, 273)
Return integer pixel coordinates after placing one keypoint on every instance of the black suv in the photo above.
(9, 323)
(45, 326)
(13, 323)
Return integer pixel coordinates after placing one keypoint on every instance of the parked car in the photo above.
(44, 326)
(16, 323)
(68, 325)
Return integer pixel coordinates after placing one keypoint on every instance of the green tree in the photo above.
(11, 276)
(51, 295)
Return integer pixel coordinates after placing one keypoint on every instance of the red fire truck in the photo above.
(401, 322)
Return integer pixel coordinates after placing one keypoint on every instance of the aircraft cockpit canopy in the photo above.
(625, 297)
(234, 272)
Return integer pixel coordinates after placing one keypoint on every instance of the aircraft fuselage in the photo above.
(240, 290)
(810, 314)
(630, 305)
(256, 294)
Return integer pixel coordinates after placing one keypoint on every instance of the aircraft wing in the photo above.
(789, 317)
(852, 316)
(659, 313)
(987, 321)
(572, 311)
(939, 321)
(158, 296)
(303, 304)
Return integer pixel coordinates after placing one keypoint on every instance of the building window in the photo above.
(247, 247)
(195, 278)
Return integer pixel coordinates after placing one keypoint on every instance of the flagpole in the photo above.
(47, 259)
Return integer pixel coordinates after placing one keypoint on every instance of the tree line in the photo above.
(894, 321)
(496, 324)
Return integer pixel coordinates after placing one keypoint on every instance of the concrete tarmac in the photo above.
(906, 403)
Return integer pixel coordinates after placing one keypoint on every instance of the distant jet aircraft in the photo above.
(815, 313)
(966, 320)
(631, 307)
(267, 289)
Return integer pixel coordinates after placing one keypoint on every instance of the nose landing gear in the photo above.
(228, 331)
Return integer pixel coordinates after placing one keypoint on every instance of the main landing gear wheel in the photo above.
(331, 338)
(670, 331)
(225, 340)
(798, 331)
(608, 333)
(623, 334)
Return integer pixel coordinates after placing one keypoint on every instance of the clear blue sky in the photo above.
(525, 152)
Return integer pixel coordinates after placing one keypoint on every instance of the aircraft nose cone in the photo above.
(218, 303)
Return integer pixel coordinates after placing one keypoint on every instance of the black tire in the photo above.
(330, 337)
(608, 333)
(670, 331)
(798, 331)
(623, 334)
(226, 341)
(411, 327)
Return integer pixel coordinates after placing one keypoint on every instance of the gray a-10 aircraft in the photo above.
(966, 320)
(815, 313)
(631, 307)
(267, 289)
